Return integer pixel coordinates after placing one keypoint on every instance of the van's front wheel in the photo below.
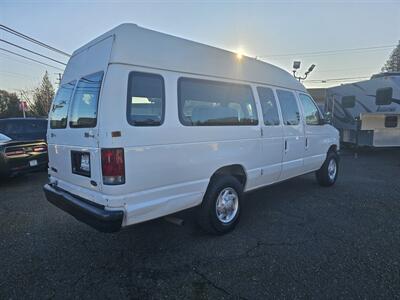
(327, 174)
(220, 209)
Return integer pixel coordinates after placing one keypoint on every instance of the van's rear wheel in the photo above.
(327, 174)
(220, 209)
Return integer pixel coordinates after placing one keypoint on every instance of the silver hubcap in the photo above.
(227, 205)
(332, 169)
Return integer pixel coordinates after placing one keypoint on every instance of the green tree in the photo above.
(42, 97)
(9, 105)
(393, 63)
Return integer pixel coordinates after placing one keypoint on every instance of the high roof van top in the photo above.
(146, 124)
(134, 45)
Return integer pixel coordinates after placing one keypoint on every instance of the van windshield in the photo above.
(84, 104)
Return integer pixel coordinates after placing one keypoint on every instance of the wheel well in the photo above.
(236, 171)
(332, 148)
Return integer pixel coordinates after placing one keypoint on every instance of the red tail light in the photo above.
(42, 148)
(113, 166)
(15, 152)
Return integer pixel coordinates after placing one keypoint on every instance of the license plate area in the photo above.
(80, 163)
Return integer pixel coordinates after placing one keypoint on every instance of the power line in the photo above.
(17, 74)
(37, 61)
(28, 38)
(15, 45)
(337, 79)
(337, 51)
(346, 69)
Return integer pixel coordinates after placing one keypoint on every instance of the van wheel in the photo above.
(327, 174)
(219, 212)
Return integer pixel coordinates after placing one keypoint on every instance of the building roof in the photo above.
(138, 46)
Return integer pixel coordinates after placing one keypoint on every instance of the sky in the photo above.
(277, 32)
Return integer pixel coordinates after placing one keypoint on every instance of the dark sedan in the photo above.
(23, 145)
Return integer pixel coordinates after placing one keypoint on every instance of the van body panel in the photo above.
(89, 60)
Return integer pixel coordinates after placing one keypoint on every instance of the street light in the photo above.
(296, 66)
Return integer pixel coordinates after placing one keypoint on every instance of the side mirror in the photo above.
(327, 118)
(384, 96)
(348, 101)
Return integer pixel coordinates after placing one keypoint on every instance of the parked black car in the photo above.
(23, 146)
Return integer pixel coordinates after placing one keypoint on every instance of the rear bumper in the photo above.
(20, 165)
(85, 211)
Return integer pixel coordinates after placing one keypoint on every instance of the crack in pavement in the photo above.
(210, 282)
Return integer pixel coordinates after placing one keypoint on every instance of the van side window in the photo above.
(311, 111)
(145, 99)
(268, 105)
(290, 110)
(59, 110)
(84, 104)
(212, 103)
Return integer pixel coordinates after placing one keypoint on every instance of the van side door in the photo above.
(293, 130)
(271, 136)
(315, 130)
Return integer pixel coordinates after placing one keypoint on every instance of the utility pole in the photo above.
(58, 80)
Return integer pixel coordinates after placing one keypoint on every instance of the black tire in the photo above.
(323, 175)
(207, 213)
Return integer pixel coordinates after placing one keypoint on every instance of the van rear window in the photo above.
(213, 103)
(84, 104)
(59, 110)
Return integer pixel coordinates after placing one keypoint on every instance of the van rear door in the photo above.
(73, 137)
(73, 146)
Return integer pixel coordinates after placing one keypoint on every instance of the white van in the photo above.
(146, 124)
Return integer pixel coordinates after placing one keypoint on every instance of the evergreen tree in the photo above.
(42, 97)
(393, 63)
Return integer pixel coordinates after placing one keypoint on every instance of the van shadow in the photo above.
(21, 179)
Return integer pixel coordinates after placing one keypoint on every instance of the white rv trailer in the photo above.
(367, 113)
(146, 124)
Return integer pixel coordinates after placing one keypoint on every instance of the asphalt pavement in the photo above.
(294, 240)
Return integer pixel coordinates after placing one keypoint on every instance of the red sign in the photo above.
(23, 105)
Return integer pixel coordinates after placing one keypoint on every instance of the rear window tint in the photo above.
(145, 99)
(84, 104)
(24, 129)
(12, 128)
(59, 110)
(37, 126)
